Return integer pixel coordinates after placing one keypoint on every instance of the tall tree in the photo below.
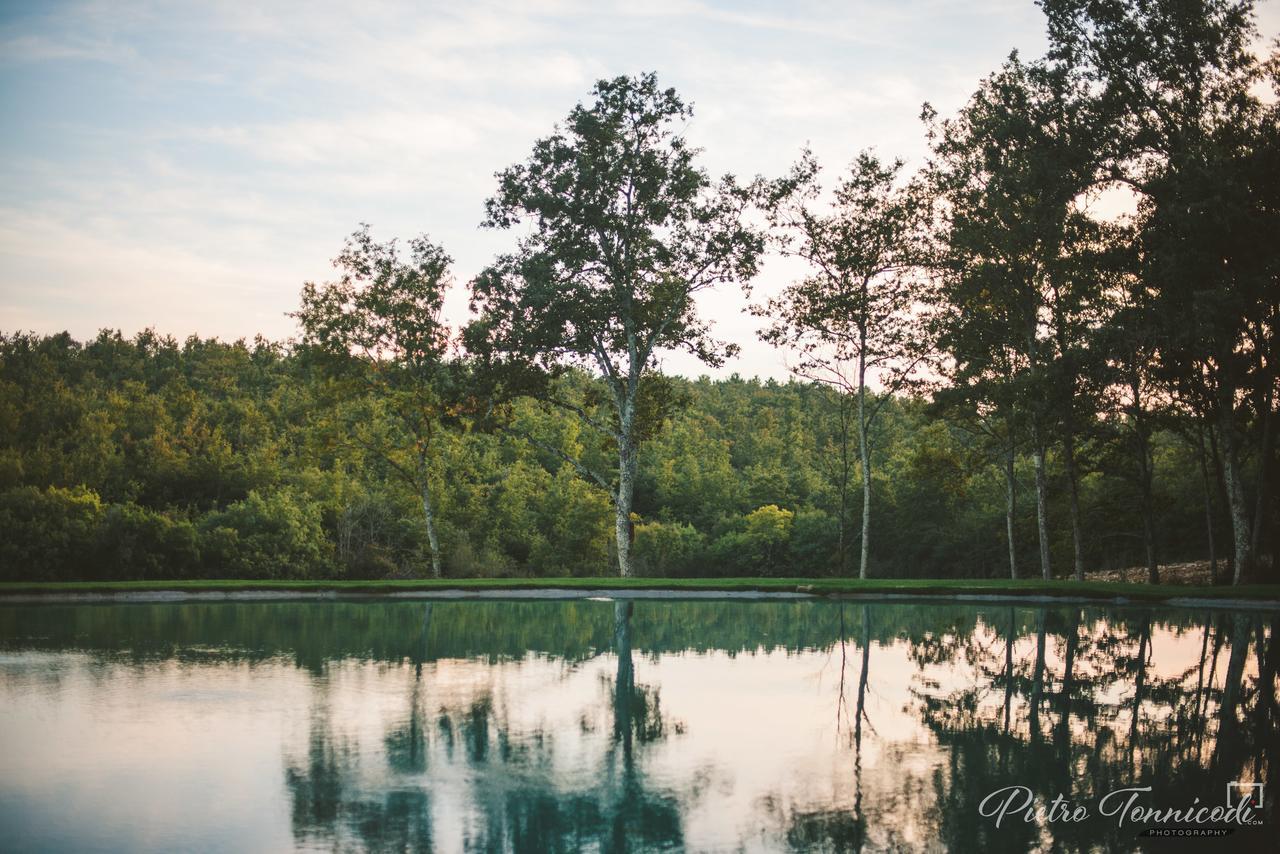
(623, 231)
(855, 318)
(1007, 174)
(1134, 391)
(378, 329)
(1198, 146)
(983, 406)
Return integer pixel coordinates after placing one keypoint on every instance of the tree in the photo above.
(1129, 344)
(624, 230)
(1200, 149)
(377, 329)
(853, 318)
(1008, 173)
(983, 406)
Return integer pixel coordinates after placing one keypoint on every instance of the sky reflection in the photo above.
(503, 726)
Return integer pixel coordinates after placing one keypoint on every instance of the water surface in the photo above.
(612, 726)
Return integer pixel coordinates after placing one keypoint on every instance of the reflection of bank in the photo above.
(462, 772)
(518, 725)
(1123, 720)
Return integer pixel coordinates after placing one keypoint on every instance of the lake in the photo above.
(640, 725)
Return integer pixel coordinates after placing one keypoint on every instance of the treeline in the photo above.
(969, 338)
(150, 458)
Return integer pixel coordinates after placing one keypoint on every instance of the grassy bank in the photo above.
(1105, 590)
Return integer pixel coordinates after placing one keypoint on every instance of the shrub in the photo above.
(143, 543)
(666, 549)
(269, 535)
(49, 534)
(758, 545)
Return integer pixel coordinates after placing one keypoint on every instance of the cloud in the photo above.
(35, 48)
(189, 165)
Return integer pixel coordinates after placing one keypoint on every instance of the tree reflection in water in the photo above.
(1119, 724)
(558, 726)
(516, 798)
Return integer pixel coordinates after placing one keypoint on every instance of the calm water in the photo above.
(611, 726)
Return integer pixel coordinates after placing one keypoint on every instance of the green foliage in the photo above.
(267, 536)
(669, 549)
(139, 542)
(757, 545)
(297, 499)
(49, 534)
(1123, 371)
(623, 230)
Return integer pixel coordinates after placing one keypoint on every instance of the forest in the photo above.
(996, 374)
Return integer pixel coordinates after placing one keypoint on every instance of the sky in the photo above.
(187, 166)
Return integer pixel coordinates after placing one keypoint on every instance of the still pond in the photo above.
(645, 725)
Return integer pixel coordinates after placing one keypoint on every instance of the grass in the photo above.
(918, 587)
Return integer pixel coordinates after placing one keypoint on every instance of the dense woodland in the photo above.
(151, 458)
(994, 376)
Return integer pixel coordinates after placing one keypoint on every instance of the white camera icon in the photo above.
(1245, 793)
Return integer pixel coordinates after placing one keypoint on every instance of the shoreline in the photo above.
(1251, 597)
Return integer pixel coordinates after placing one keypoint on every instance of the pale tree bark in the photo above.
(1010, 509)
(1042, 503)
(1241, 528)
(1208, 505)
(627, 454)
(1148, 511)
(1038, 452)
(864, 453)
(1264, 462)
(428, 513)
(1073, 493)
(1146, 477)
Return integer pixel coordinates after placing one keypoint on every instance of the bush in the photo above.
(666, 549)
(142, 543)
(266, 536)
(758, 546)
(49, 534)
(815, 538)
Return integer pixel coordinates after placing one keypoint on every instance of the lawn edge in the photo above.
(1256, 595)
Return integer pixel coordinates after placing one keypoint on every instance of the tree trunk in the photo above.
(1229, 733)
(622, 502)
(1145, 466)
(1208, 505)
(860, 712)
(1264, 462)
(865, 455)
(1238, 506)
(424, 491)
(1010, 509)
(1073, 492)
(1224, 499)
(1194, 721)
(842, 548)
(1042, 504)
